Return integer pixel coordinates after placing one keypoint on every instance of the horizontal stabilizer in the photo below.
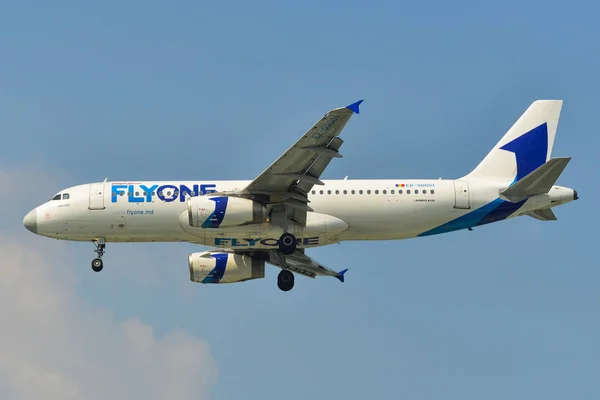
(536, 182)
(543, 215)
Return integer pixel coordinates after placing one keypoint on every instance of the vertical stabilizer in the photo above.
(525, 147)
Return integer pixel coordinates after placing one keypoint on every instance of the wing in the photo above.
(297, 262)
(289, 179)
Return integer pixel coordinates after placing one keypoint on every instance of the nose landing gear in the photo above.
(97, 263)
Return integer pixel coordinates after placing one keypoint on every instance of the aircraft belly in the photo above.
(320, 230)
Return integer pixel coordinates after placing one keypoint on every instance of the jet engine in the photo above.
(223, 267)
(223, 212)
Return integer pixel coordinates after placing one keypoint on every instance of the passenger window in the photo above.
(407, 192)
(329, 192)
(320, 192)
(313, 192)
(400, 191)
(122, 194)
(66, 196)
(392, 191)
(345, 192)
(353, 192)
(137, 193)
(385, 192)
(432, 191)
(337, 192)
(377, 192)
(360, 192)
(368, 192)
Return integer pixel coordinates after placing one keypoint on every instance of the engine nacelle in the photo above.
(222, 267)
(223, 212)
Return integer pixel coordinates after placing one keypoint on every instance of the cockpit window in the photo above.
(57, 197)
(66, 196)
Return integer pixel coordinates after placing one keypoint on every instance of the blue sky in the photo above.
(205, 91)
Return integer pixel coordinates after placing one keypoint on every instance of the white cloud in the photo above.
(55, 345)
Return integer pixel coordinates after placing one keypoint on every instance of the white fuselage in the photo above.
(343, 210)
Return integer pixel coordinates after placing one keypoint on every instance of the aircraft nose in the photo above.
(30, 221)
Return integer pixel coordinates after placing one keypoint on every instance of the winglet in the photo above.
(354, 107)
(340, 275)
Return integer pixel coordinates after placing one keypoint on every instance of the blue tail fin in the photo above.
(525, 147)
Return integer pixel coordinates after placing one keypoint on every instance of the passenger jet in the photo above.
(288, 208)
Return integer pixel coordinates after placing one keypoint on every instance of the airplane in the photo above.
(288, 208)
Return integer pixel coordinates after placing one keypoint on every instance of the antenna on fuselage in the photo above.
(105, 179)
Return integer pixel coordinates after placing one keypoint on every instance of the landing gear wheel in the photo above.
(285, 280)
(97, 264)
(287, 243)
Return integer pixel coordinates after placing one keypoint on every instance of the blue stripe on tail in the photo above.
(531, 150)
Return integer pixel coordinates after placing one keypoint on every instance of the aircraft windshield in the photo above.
(63, 196)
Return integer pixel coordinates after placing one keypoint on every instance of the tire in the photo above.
(285, 280)
(97, 264)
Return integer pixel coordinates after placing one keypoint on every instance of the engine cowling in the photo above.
(223, 212)
(222, 267)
